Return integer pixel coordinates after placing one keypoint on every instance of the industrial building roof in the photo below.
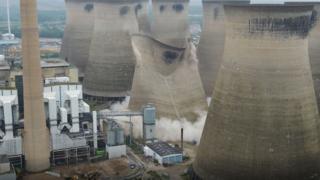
(163, 148)
(53, 62)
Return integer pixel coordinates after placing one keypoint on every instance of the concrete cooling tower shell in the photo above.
(210, 48)
(142, 14)
(263, 121)
(109, 72)
(314, 53)
(167, 77)
(170, 22)
(78, 32)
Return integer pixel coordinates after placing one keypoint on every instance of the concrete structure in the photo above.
(9, 113)
(10, 143)
(64, 100)
(170, 22)
(211, 45)
(143, 17)
(77, 34)
(163, 153)
(167, 77)
(4, 72)
(110, 69)
(115, 145)
(149, 123)
(262, 121)
(36, 135)
(53, 70)
(314, 53)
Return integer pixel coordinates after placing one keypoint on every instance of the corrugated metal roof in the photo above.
(163, 148)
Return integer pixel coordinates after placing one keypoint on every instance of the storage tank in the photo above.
(168, 78)
(77, 34)
(111, 64)
(314, 53)
(170, 22)
(263, 120)
(210, 48)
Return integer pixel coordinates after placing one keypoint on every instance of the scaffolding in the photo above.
(17, 161)
(70, 155)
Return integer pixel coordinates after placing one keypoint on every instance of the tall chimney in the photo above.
(35, 135)
(263, 120)
(182, 140)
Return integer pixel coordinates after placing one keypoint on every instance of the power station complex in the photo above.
(257, 60)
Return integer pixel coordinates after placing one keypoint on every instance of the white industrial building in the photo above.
(163, 153)
(115, 145)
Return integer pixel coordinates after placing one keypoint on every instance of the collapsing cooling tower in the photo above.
(263, 120)
(110, 69)
(167, 77)
(314, 53)
(170, 22)
(210, 48)
(36, 146)
(77, 34)
(166, 73)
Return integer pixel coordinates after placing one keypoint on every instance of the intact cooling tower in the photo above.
(36, 145)
(170, 22)
(111, 64)
(314, 53)
(263, 120)
(210, 48)
(78, 32)
(167, 77)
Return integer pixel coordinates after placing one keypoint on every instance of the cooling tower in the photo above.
(142, 15)
(167, 77)
(314, 53)
(109, 72)
(263, 120)
(78, 32)
(170, 22)
(35, 134)
(210, 48)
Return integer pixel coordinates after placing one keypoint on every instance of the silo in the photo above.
(210, 48)
(36, 146)
(78, 32)
(314, 53)
(167, 77)
(109, 72)
(263, 120)
(169, 23)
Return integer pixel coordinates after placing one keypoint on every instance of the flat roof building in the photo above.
(163, 153)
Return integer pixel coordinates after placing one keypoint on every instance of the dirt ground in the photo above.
(117, 167)
(108, 168)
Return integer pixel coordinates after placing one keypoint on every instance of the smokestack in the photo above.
(8, 17)
(182, 140)
(263, 121)
(35, 135)
(111, 64)
(164, 63)
(210, 48)
(78, 32)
